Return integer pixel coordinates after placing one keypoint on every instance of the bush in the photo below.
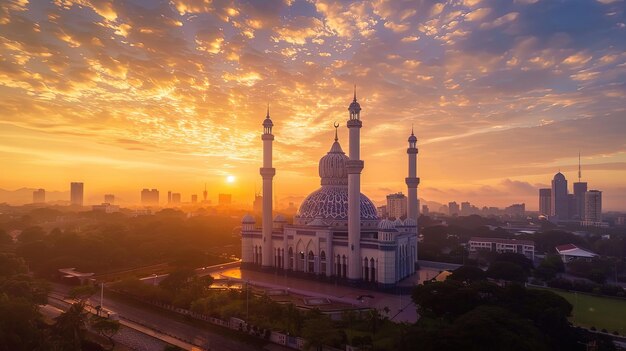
(592, 328)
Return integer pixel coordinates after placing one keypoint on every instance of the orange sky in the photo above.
(171, 94)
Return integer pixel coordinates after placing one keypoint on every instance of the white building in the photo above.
(569, 252)
(524, 247)
(336, 231)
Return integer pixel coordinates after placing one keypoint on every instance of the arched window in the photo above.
(290, 262)
(323, 262)
(373, 270)
(338, 264)
(301, 265)
(311, 262)
(344, 266)
(365, 270)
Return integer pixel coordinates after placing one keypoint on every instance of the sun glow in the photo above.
(230, 179)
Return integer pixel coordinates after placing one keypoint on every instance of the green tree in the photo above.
(468, 274)
(106, 328)
(506, 271)
(319, 330)
(71, 325)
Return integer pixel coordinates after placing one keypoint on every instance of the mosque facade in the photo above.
(336, 231)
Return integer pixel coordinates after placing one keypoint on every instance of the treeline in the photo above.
(109, 242)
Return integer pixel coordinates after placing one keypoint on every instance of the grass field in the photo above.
(599, 312)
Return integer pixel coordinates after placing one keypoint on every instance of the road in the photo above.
(203, 337)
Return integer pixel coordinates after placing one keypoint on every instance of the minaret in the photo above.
(412, 181)
(267, 172)
(354, 166)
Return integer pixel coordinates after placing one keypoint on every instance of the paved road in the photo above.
(203, 337)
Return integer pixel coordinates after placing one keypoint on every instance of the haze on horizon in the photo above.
(125, 95)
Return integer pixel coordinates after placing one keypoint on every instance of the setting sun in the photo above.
(230, 179)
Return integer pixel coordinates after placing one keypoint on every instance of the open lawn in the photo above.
(599, 312)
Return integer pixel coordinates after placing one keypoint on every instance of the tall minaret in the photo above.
(267, 172)
(412, 181)
(354, 167)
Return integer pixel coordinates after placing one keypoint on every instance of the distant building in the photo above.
(516, 210)
(396, 205)
(205, 194)
(257, 205)
(453, 208)
(76, 193)
(545, 202)
(580, 188)
(593, 206)
(559, 200)
(39, 196)
(425, 210)
(224, 199)
(381, 211)
(570, 252)
(169, 197)
(621, 220)
(176, 198)
(194, 198)
(106, 207)
(150, 197)
(524, 247)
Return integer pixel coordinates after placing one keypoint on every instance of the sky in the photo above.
(125, 95)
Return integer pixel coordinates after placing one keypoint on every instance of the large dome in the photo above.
(331, 202)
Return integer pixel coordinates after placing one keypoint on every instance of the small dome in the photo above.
(559, 176)
(410, 222)
(332, 167)
(317, 222)
(280, 218)
(268, 122)
(412, 138)
(398, 222)
(354, 106)
(248, 219)
(386, 224)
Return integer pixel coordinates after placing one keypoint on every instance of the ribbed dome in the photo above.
(331, 202)
(386, 224)
(280, 218)
(248, 219)
(332, 167)
(410, 222)
(398, 222)
(354, 106)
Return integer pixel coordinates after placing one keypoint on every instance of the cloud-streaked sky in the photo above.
(171, 94)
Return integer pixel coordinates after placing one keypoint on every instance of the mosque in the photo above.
(336, 231)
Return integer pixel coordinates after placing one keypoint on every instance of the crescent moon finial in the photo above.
(336, 126)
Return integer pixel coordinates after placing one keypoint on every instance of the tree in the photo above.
(319, 330)
(506, 271)
(82, 292)
(468, 274)
(106, 327)
(71, 325)
(31, 234)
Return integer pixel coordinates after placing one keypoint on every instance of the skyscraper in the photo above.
(176, 198)
(194, 198)
(559, 200)
(580, 188)
(593, 206)
(396, 205)
(545, 201)
(109, 199)
(39, 196)
(150, 197)
(76, 193)
(453, 208)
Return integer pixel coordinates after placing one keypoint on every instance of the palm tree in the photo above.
(70, 326)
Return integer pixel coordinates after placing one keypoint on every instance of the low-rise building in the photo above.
(570, 252)
(524, 247)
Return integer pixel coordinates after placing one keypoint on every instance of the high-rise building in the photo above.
(466, 208)
(39, 196)
(381, 211)
(425, 210)
(175, 198)
(559, 200)
(204, 194)
(593, 206)
(516, 210)
(225, 199)
(580, 188)
(257, 205)
(76, 193)
(396, 205)
(545, 201)
(109, 199)
(169, 197)
(150, 197)
(194, 199)
(453, 208)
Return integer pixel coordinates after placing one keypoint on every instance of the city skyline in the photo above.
(156, 97)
